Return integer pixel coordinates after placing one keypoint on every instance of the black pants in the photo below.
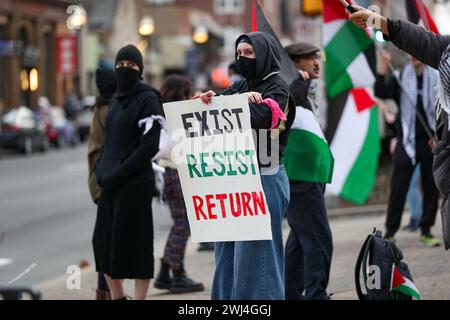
(310, 245)
(102, 285)
(401, 178)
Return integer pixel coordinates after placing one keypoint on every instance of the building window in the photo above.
(48, 65)
(159, 2)
(25, 95)
(232, 7)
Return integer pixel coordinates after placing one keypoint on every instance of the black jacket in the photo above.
(299, 90)
(424, 45)
(388, 88)
(127, 152)
(270, 86)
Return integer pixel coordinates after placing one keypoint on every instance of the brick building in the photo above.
(29, 30)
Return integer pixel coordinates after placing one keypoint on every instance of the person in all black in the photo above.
(254, 270)
(106, 81)
(415, 96)
(309, 248)
(123, 236)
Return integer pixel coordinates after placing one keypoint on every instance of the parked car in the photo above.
(23, 131)
(19, 293)
(65, 128)
(42, 113)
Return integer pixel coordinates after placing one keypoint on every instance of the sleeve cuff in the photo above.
(391, 29)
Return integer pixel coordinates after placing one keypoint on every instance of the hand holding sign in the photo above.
(205, 97)
(254, 97)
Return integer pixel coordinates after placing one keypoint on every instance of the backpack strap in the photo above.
(362, 258)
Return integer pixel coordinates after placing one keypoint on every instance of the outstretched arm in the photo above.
(424, 45)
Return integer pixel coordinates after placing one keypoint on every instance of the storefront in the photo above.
(3, 53)
(28, 58)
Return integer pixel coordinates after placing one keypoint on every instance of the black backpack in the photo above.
(381, 254)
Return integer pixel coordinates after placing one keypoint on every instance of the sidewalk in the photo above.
(430, 267)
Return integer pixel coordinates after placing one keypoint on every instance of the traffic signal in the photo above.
(312, 7)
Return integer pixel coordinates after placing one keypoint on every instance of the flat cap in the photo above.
(301, 49)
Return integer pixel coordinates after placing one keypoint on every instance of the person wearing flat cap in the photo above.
(306, 58)
(309, 247)
(123, 235)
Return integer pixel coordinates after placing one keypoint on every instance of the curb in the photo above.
(350, 212)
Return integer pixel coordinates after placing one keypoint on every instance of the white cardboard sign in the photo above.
(217, 163)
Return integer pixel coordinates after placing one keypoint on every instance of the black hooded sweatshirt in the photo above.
(127, 152)
(269, 83)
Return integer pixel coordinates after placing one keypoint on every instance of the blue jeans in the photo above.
(415, 197)
(254, 270)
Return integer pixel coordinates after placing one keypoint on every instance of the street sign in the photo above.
(67, 54)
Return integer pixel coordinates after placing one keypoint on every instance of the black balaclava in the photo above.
(267, 55)
(246, 66)
(106, 81)
(128, 78)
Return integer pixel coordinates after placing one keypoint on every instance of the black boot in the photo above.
(181, 283)
(163, 280)
(102, 295)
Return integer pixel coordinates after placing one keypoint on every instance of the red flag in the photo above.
(334, 10)
(418, 13)
(254, 17)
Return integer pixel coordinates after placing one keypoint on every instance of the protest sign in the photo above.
(217, 163)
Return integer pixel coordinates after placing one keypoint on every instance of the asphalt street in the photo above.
(47, 217)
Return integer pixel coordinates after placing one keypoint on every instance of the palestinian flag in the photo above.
(418, 13)
(350, 51)
(308, 156)
(404, 285)
(352, 129)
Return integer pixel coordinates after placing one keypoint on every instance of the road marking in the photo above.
(4, 262)
(75, 167)
(27, 270)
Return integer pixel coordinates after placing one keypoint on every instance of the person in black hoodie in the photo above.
(254, 270)
(106, 81)
(123, 235)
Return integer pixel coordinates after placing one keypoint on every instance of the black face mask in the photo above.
(247, 67)
(127, 80)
